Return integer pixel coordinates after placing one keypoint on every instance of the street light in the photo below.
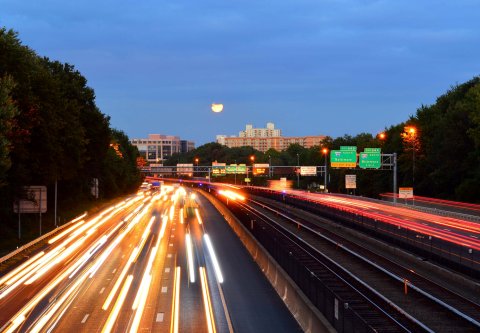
(325, 152)
(410, 136)
(196, 164)
(252, 159)
(382, 136)
(270, 170)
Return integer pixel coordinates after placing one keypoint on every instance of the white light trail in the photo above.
(216, 266)
(191, 267)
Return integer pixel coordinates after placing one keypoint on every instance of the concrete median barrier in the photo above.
(306, 314)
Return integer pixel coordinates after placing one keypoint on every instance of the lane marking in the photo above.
(102, 290)
(169, 255)
(84, 320)
(160, 317)
(171, 244)
(113, 272)
(172, 235)
(164, 290)
(167, 270)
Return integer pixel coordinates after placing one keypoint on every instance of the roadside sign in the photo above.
(241, 169)
(35, 200)
(308, 171)
(370, 160)
(405, 192)
(260, 169)
(343, 158)
(351, 181)
(231, 169)
(185, 169)
(236, 168)
(247, 180)
(372, 150)
(219, 169)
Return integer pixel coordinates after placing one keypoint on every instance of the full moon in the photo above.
(217, 107)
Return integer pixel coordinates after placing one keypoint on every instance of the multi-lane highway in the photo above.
(161, 263)
(455, 230)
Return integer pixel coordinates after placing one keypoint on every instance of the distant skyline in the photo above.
(312, 67)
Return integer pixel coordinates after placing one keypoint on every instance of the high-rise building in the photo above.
(264, 139)
(268, 132)
(157, 147)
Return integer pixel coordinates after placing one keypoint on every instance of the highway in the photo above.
(451, 229)
(165, 262)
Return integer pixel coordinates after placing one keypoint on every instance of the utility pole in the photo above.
(298, 170)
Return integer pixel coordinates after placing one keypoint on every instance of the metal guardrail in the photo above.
(35, 241)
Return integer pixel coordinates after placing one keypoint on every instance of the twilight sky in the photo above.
(312, 67)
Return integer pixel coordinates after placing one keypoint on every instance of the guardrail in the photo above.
(37, 240)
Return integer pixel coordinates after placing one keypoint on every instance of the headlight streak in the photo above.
(207, 302)
(117, 284)
(191, 267)
(172, 212)
(197, 214)
(142, 299)
(216, 266)
(12, 276)
(88, 255)
(53, 310)
(142, 293)
(65, 232)
(136, 251)
(27, 273)
(164, 225)
(231, 195)
(176, 301)
(118, 305)
(38, 260)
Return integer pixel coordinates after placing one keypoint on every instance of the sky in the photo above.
(312, 67)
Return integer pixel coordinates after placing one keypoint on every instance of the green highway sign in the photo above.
(370, 160)
(372, 150)
(236, 169)
(343, 158)
(231, 169)
(242, 168)
(348, 148)
(218, 169)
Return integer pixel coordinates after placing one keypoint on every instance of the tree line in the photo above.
(52, 131)
(438, 151)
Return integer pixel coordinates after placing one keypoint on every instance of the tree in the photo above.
(8, 111)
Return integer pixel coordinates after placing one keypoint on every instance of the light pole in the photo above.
(252, 159)
(325, 152)
(298, 170)
(270, 171)
(196, 163)
(236, 168)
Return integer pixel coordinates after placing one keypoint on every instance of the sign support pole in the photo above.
(19, 224)
(40, 210)
(55, 203)
(394, 178)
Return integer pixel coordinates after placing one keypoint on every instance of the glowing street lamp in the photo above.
(410, 135)
(382, 136)
(325, 152)
(216, 107)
